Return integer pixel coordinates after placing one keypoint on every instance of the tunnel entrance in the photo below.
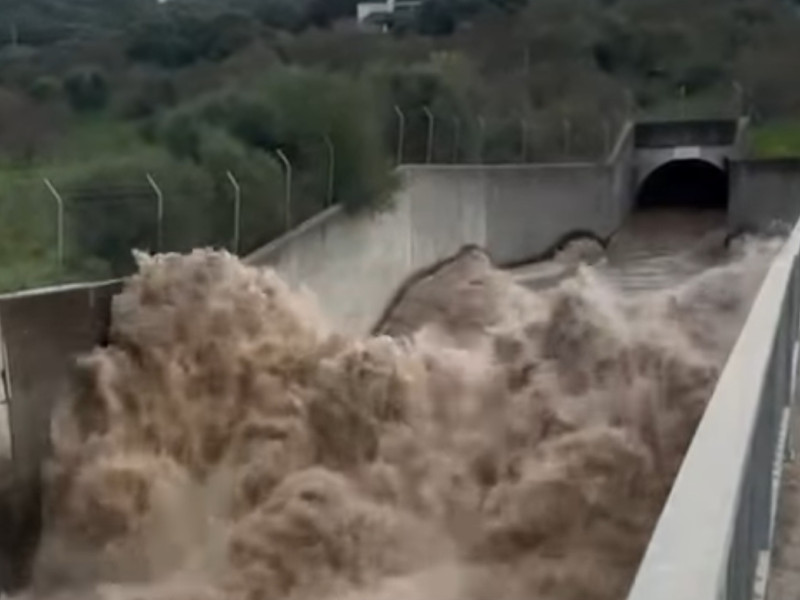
(690, 183)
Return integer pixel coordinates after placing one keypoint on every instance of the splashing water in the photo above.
(492, 443)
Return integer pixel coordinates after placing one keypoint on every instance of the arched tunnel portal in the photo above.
(690, 183)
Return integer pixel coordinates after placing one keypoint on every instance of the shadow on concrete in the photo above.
(20, 528)
(43, 332)
(691, 183)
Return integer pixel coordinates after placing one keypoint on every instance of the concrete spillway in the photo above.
(515, 212)
(489, 430)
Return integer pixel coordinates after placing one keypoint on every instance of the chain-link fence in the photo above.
(57, 228)
(424, 136)
(432, 135)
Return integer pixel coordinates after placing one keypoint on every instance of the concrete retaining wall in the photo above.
(518, 212)
(688, 132)
(763, 192)
(353, 264)
(623, 173)
(43, 333)
(350, 264)
(447, 208)
(530, 209)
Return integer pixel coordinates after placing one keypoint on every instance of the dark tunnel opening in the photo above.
(690, 183)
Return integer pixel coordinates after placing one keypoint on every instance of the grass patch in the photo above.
(776, 139)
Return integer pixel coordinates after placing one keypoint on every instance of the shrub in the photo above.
(28, 240)
(275, 114)
(148, 94)
(44, 88)
(180, 133)
(86, 89)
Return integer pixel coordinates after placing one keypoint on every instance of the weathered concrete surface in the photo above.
(354, 264)
(712, 141)
(764, 192)
(531, 209)
(43, 334)
(623, 172)
(350, 264)
(448, 209)
(660, 144)
(688, 132)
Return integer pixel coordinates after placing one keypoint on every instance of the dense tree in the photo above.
(204, 87)
(177, 37)
(324, 12)
(26, 128)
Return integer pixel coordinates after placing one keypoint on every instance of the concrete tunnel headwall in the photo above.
(691, 183)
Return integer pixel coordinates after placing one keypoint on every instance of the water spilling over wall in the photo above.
(492, 443)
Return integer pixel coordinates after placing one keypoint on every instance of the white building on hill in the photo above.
(379, 14)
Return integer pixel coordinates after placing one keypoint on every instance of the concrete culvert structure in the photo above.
(691, 183)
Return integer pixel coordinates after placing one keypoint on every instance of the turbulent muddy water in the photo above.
(491, 443)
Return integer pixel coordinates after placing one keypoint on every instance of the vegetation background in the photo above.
(97, 94)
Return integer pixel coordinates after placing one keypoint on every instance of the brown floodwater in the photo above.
(491, 442)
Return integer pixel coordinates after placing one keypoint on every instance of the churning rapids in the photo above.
(492, 443)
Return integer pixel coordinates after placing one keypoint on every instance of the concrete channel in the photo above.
(517, 213)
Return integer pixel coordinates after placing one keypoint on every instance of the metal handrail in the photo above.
(714, 537)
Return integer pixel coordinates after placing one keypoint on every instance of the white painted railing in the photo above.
(714, 538)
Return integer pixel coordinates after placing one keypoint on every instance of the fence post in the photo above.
(530, 153)
(526, 60)
(401, 133)
(738, 90)
(331, 169)
(288, 175)
(237, 211)
(60, 220)
(482, 136)
(524, 140)
(683, 101)
(456, 137)
(159, 212)
(630, 102)
(431, 125)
